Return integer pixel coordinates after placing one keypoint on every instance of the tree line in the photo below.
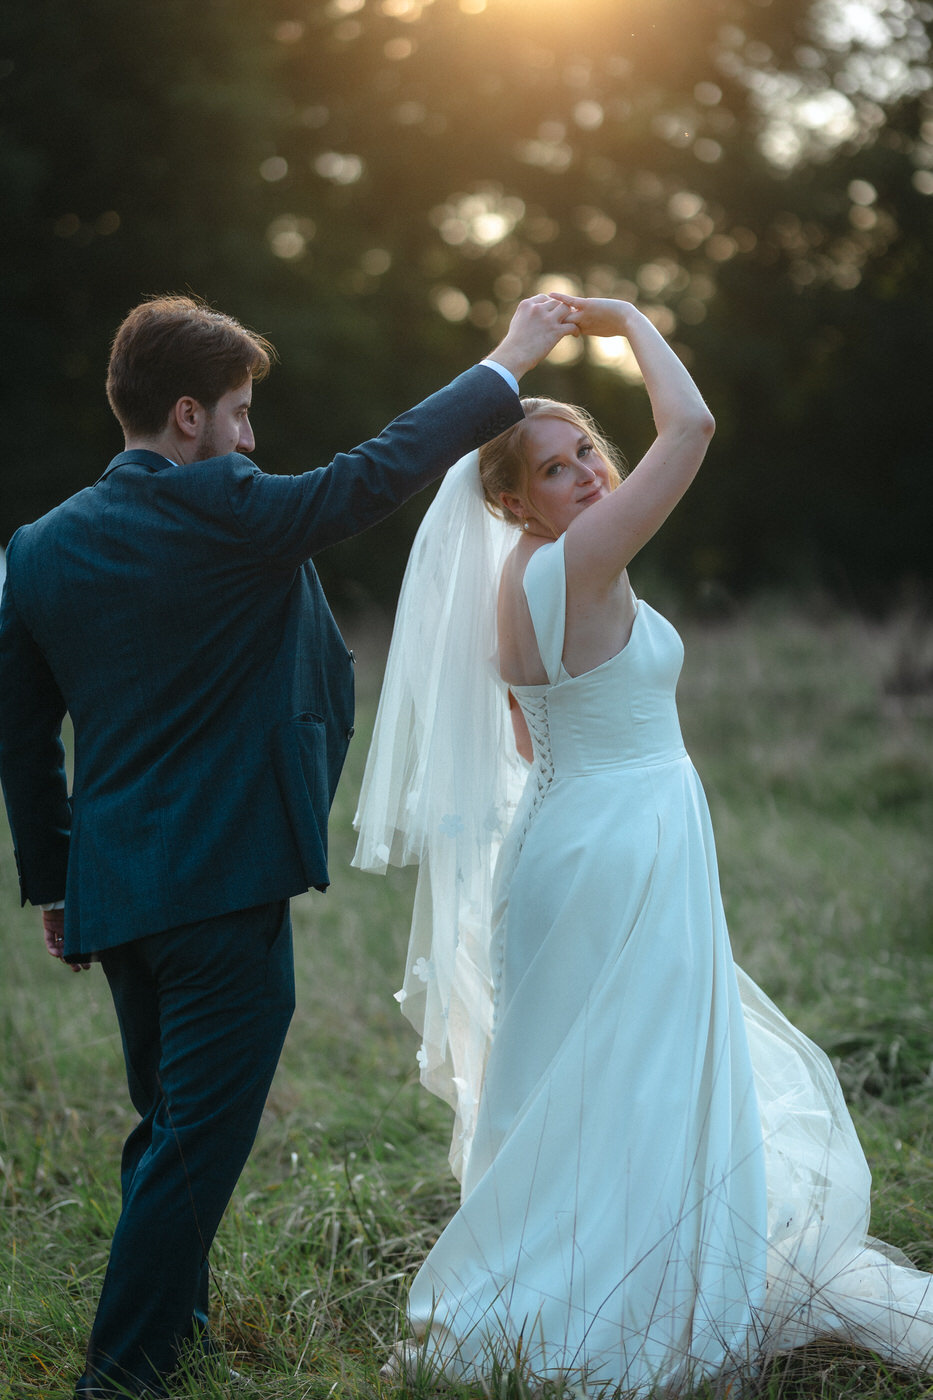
(374, 183)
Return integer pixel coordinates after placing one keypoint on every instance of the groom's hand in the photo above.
(538, 324)
(53, 929)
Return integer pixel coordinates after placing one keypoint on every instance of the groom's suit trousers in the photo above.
(203, 1012)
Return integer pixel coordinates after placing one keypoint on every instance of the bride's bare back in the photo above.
(598, 623)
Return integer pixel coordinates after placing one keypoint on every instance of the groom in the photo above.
(172, 611)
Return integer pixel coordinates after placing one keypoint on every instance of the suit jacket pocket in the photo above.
(299, 751)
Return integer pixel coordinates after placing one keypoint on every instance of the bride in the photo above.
(660, 1180)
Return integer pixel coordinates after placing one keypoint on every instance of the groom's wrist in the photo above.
(507, 374)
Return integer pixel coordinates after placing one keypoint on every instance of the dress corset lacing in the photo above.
(540, 777)
(542, 773)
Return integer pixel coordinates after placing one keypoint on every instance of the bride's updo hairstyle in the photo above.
(504, 464)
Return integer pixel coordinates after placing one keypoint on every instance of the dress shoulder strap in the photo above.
(545, 585)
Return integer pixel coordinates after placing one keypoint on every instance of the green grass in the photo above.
(814, 737)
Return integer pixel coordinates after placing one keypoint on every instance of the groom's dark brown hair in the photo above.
(172, 346)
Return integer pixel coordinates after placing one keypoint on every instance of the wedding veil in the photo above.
(441, 783)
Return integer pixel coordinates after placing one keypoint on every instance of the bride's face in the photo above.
(566, 475)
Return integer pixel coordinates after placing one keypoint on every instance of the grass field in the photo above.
(813, 733)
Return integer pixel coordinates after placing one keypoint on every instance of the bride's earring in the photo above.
(524, 524)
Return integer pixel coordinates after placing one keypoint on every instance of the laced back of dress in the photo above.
(535, 709)
(545, 591)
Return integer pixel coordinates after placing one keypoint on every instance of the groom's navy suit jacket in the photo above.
(172, 611)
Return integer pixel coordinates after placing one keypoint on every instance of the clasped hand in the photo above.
(539, 322)
(600, 316)
(53, 929)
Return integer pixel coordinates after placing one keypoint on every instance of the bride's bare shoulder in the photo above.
(519, 658)
(516, 562)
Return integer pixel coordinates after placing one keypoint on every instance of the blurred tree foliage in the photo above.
(374, 183)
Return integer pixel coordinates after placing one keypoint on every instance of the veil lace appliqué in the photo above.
(441, 784)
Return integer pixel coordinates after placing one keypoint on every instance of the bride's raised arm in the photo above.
(602, 541)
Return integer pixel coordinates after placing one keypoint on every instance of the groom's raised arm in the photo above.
(290, 518)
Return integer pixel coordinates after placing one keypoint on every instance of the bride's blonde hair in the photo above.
(503, 462)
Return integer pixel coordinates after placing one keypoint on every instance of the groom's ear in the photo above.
(187, 416)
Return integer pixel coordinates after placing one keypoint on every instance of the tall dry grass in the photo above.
(814, 735)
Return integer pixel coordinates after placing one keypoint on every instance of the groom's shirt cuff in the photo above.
(507, 374)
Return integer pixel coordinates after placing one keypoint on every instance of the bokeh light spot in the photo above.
(290, 31)
(861, 192)
(273, 169)
(341, 169)
(453, 304)
(376, 261)
(397, 49)
(288, 236)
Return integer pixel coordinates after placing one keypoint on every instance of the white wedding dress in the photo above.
(664, 1182)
